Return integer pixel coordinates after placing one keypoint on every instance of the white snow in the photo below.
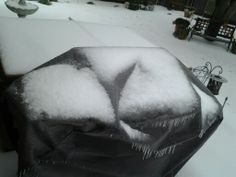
(132, 133)
(209, 109)
(62, 91)
(152, 85)
(27, 43)
(217, 157)
(109, 62)
(157, 83)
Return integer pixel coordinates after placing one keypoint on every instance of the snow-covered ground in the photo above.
(217, 157)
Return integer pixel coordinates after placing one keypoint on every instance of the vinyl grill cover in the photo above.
(110, 112)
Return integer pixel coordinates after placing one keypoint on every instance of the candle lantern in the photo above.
(212, 81)
(215, 83)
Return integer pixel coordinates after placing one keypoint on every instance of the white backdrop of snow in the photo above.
(26, 43)
(157, 27)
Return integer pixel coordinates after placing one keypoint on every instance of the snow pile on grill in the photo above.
(156, 83)
(62, 91)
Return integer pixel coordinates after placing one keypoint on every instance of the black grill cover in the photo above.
(153, 141)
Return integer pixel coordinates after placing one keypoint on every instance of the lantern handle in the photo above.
(220, 69)
(208, 65)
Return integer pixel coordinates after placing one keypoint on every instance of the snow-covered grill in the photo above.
(110, 112)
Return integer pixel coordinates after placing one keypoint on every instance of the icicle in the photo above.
(170, 124)
(165, 123)
(149, 153)
(178, 121)
(173, 149)
(165, 151)
(137, 147)
(144, 153)
(169, 150)
(201, 134)
(133, 145)
(140, 148)
(183, 121)
(161, 153)
(161, 124)
(156, 154)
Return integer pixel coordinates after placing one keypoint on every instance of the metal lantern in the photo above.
(215, 83)
(205, 73)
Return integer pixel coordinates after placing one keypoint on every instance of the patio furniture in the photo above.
(225, 34)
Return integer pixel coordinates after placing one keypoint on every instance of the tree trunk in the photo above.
(224, 10)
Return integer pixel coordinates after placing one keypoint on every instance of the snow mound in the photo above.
(64, 91)
(157, 83)
(109, 62)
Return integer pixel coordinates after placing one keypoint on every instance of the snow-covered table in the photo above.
(28, 43)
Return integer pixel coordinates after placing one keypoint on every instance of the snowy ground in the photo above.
(218, 157)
